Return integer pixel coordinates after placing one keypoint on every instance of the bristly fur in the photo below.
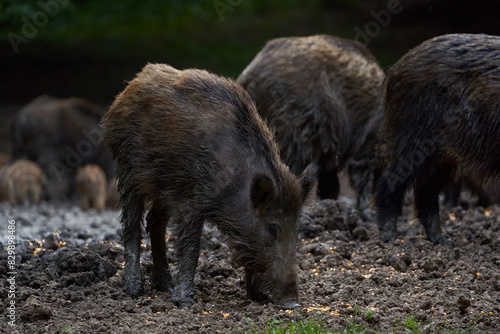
(323, 97)
(442, 113)
(91, 187)
(193, 144)
(21, 181)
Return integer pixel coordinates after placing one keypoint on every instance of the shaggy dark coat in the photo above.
(323, 97)
(442, 113)
(193, 144)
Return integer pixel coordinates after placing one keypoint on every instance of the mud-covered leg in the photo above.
(388, 199)
(329, 185)
(188, 250)
(362, 177)
(132, 215)
(427, 192)
(157, 220)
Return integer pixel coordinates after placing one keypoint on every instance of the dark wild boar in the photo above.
(442, 115)
(21, 181)
(60, 135)
(193, 144)
(323, 96)
(91, 187)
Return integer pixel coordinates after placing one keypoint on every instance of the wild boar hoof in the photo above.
(161, 281)
(183, 302)
(442, 240)
(366, 214)
(388, 231)
(133, 287)
(387, 236)
(132, 280)
(289, 305)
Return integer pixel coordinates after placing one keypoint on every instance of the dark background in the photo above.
(90, 48)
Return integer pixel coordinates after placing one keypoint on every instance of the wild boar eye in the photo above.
(273, 230)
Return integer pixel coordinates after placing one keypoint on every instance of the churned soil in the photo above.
(69, 265)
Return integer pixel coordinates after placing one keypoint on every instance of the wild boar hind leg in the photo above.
(157, 220)
(361, 174)
(132, 215)
(427, 192)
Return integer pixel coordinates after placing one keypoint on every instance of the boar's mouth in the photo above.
(284, 296)
(263, 289)
(268, 279)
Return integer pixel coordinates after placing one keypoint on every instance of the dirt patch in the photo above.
(70, 282)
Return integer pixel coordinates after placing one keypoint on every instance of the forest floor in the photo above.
(69, 265)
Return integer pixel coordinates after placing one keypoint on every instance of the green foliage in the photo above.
(311, 326)
(412, 325)
(369, 315)
(183, 33)
(354, 325)
(96, 20)
(443, 328)
(67, 329)
(13, 11)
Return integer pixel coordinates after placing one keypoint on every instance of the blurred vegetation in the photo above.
(90, 47)
(193, 33)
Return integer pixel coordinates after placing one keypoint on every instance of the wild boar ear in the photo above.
(309, 183)
(261, 191)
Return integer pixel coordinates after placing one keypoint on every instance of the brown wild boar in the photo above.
(60, 135)
(323, 96)
(192, 143)
(21, 181)
(91, 187)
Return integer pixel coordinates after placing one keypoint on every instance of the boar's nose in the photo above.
(289, 304)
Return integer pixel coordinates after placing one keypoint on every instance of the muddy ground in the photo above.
(70, 282)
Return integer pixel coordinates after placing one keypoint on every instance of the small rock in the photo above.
(115, 280)
(426, 305)
(33, 309)
(306, 265)
(428, 266)
(196, 308)
(398, 264)
(83, 235)
(406, 259)
(52, 241)
(27, 292)
(360, 233)
(155, 308)
(420, 316)
(463, 304)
